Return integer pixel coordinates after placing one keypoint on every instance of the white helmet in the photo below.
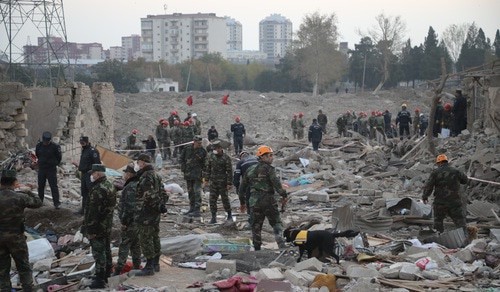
(194, 115)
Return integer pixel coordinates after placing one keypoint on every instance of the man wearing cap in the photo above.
(218, 172)
(12, 239)
(238, 130)
(445, 182)
(212, 134)
(172, 118)
(315, 134)
(404, 121)
(149, 198)
(129, 234)
(197, 124)
(163, 136)
(459, 113)
(49, 157)
(88, 157)
(322, 120)
(132, 140)
(98, 222)
(192, 162)
(246, 161)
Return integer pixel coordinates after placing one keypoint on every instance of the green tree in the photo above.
(362, 63)
(475, 50)
(431, 66)
(411, 62)
(116, 72)
(496, 44)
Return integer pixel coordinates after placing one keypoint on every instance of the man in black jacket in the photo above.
(315, 134)
(49, 157)
(88, 157)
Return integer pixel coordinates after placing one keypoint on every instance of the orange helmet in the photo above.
(447, 106)
(441, 158)
(161, 120)
(164, 122)
(301, 114)
(135, 131)
(374, 113)
(417, 110)
(294, 115)
(172, 113)
(262, 150)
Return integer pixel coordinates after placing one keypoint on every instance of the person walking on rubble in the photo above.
(322, 120)
(192, 160)
(302, 125)
(416, 123)
(162, 133)
(218, 174)
(315, 134)
(404, 121)
(295, 127)
(174, 116)
(12, 240)
(459, 113)
(212, 134)
(88, 157)
(49, 157)
(132, 140)
(129, 233)
(176, 136)
(246, 161)
(150, 197)
(263, 183)
(196, 123)
(98, 222)
(445, 182)
(238, 130)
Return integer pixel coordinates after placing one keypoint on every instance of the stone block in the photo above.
(21, 117)
(310, 275)
(361, 272)
(22, 132)
(42, 265)
(465, 255)
(389, 273)
(295, 278)
(366, 192)
(379, 203)
(312, 264)
(269, 285)
(219, 265)
(318, 197)
(7, 125)
(362, 200)
(389, 195)
(270, 274)
(494, 233)
(409, 272)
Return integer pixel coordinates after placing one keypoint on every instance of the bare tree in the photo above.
(454, 37)
(388, 34)
(316, 50)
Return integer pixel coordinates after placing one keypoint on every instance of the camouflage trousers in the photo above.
(453, 209)
(14, 245)
(300, 134)
(165, 150)
(295, 133)
(219, 189)
(149, 237)
(130, 243)
(194, 193)
(260, 211)
(101, 251)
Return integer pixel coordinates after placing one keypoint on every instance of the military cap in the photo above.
(197, 138)
(130, 169)
(216, 144)
(84, 139)
(46, 136)
(9, 173)
(98, 167)
(144, 157)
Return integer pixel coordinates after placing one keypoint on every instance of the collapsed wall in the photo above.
(68, 112)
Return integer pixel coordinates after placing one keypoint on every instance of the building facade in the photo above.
(234, 35)
(275, 36)
(178, 37)
(74, 51)
(131, 47)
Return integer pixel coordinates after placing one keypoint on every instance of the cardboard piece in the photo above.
(112, 159)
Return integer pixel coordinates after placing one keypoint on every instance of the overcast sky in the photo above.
(106, 21)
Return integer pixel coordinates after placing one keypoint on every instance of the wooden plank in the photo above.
(112, 159)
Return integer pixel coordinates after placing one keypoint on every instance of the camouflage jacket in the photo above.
(218, 169)
(162, 134)
(98, 218)
(445, 182)
(126, 206)
(187, 134)
(295, 124)
(322, 119)
(372, 121)
(175, 134)
(193, 162)
(301, 124)
(263, 183)
(197, 128)
(12, 206)
(380, 122)
(447, 120)
(149, 197)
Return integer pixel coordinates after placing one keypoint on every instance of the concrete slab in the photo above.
(312, 264)
(219, 265)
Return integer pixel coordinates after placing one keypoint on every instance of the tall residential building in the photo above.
(178, 37)
(275, 36)
(131, 47)
(234, 35)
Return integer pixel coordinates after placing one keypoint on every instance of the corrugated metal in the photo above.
(344, 215)
(373, 225)
(482, 209)
(452, 239)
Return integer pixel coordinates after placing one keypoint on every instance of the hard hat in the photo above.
(374, 113)
(161, 120)
(421, 115)
(301, 114)
(164, 122)
(243, 153)
(441, 158)
(194, 115)
(237, 118)
(403, 105)
(348, 112)
(447, 106)
(262, 150)
(417, 110)
(135, 131)
(172, 112)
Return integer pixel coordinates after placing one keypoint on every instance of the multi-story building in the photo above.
(179, 37)
(61, 50)
(275, 36)
(131, 47)
(116, 53)
(247, 56)
(234, 35)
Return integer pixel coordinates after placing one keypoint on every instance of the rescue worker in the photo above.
(98, 222)
(438, 119)
(387, 123)
(174, 116)
(342, 126)
(88, 157)
(238, 130)
(349, 119)
(372, 122)
(162, 133)
(132, 139)
(246, 160)
(129, 233)
(12, 240)
(150, 145)
(188, 117)
(49, 157)
(322, 120)
(424, 123)
(302, 125)
(404, 121)
(196, 123)
(447, 122)
(150, 197)
(192, 160)
(218, 175)
(363, 124)
(416, 122)
(295, 127)
(176, 136)
(263, 183)
(187, 134)
(380, 134)
(444, 182)
(315, 134)
(212, 134)
(459, 113)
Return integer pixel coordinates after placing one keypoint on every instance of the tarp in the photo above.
(112, 159)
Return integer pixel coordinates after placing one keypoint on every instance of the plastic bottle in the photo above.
(158, 161)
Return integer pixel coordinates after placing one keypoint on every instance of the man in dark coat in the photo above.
(238, 130)
(49, 157)
(315, 134)
(88, 157)
(459, 113)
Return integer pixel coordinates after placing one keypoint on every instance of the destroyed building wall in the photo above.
(68, 112)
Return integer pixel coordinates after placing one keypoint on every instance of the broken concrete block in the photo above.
(361, 272)
(312, 264)
(270, 274)
(436, 274)
(408, 271)
(366, 192)
(495, 234)
(318, 196)
(219, 265)
(379, 203)
(362, 200)
(42, 265)
(465, 255)
(295, 278)
(389, 273)
(270, 285)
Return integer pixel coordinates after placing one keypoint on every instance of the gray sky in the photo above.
(106, 21)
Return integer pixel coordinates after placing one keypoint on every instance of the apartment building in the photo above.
(60, 51)
(178, 37)
(275, 36)
(234, 35)
(131, 47)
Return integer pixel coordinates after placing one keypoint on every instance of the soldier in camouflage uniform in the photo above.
(445, 183)
(302, 125)
(218, 173)
(192, 162)
(129, 234)
(341, 126)
(363, 124)
(295, 127)
(163, 137)
(12, 239)
(264, 184)
(97, 223)
(380, 134)
(322, 120)
(187, 132)
(197, 124)
(372, 123)
(175, 135)
(150, 197)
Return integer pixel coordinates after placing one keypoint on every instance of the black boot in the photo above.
(195, 213)
(256, 247)
(191, 210)
(136, 264)
(156, 264)
(148, 270)
(98, 282)
(214, 218)
(229, 216)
